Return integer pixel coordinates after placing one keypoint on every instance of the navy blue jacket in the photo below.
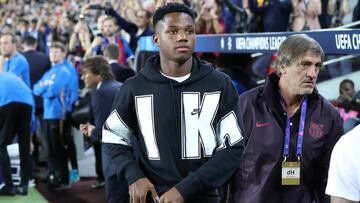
(39, 63)
(101, 103)
(121, 72)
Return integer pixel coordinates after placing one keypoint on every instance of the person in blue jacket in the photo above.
(52, 87)
(16, 106)
(11, 60)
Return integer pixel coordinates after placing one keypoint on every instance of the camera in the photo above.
(96, 7)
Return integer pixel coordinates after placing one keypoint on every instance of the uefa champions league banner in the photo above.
(345, 41)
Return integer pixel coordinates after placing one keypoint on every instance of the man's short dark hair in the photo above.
(171, 8)
(342, 83)
(30, 41)
(98, 65)
(58, 45)
(112, 51)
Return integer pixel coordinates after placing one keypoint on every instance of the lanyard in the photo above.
(300, 133)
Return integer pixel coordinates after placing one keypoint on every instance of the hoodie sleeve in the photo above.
(116, 137)
(226, 158)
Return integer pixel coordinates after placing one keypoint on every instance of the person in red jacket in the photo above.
(290, 131)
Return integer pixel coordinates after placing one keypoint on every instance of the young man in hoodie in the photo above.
(184, 116)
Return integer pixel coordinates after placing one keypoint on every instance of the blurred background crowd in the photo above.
(81, 27)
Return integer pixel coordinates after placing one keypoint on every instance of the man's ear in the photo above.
(156, 40)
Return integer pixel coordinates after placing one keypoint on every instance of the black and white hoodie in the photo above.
(188, 133)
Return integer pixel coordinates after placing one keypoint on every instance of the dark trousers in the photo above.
(98, 161)
(69, 142)
(57, 159)
(15, 119)
(39, 139)
(116, 190)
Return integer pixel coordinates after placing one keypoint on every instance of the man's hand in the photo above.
(86, 129)
(139, 189)
(85, 9)
(171, 196)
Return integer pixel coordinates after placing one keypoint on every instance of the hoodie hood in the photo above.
(199, 70)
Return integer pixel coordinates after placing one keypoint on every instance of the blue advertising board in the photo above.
(342, 42)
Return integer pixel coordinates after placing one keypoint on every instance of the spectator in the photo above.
(344, 179)
(290, 128)
(324, 17)
(22, 28)
(275, 14)
(80, 41)
(129, 27)
(209, 20)
(140, 27)
(16, 104)
(143, 20)
(98, 77)
(356, 15)
(15, 62)
(183, 156)
(347, 105)
(305, 15)
(341, 13)
(121, 72)
(33, 31)
(240, 19)
(7, 28)
(110, 30)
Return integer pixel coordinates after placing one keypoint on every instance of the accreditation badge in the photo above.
(290, 173)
